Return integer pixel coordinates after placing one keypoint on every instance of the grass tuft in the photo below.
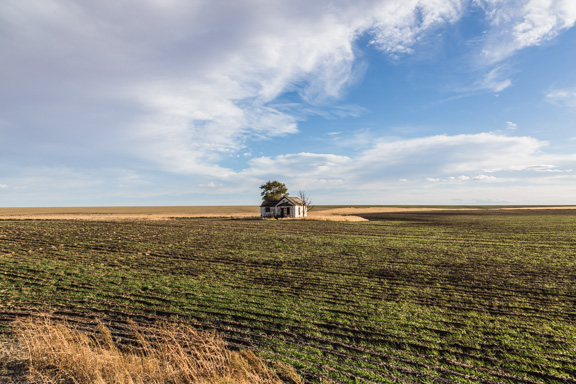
(55, 352)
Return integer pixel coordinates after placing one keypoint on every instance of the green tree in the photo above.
(273, 190)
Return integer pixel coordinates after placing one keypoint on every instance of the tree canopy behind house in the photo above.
(273, 190)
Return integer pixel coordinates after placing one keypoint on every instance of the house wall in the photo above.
(263, 212)
(295, 211)
(279, 211)
(298, 211)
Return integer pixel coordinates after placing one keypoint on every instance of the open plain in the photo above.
(400, 294)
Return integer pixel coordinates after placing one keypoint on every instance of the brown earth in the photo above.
(354, 213)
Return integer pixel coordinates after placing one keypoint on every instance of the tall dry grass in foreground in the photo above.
(166, 354)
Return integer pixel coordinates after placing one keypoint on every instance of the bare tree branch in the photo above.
(302, 195)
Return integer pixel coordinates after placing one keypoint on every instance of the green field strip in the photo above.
(320, 372)
(379, 272)
(346, 362)
(375, 364)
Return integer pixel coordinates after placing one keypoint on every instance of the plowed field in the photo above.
(441, 296)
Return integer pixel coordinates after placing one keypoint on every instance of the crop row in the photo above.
(427, 297)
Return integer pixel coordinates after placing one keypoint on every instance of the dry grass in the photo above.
(52, 352)
(323, 213)
(126, 213)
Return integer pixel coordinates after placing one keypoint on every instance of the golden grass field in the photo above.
(328, 213)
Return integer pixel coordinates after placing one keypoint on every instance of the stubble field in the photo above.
(408, 296)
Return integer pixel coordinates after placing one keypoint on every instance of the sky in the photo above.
(199, 102)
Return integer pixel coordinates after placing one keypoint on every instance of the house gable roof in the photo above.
(269, 203)
(289, 201)
(286, 201)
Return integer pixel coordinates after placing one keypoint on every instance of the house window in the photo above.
(267, 209)
(288, 211)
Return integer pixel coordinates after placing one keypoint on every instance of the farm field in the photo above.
(449, 296)
(321, 212)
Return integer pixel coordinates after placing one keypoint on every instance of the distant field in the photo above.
(131, 211)
(167, 212)
(450, 296)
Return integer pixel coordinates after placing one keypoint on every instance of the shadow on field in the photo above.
(445, 215)
(415, 216)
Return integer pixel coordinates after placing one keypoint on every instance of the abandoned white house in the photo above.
(285, 207)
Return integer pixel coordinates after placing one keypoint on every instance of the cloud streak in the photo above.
(477, 157)
(565, 97)
(520, 24)
(208, 71)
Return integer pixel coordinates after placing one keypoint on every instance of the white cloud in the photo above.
(479, 157)
(458, 153)
(398, 25)
(516, 25)
(211, 185)
(3, 186)
(511, 126)
(307, 168)
(524, 23)
(566, 97)
(459, 178)
(494, 81)
(484, 178)
(546, 168)
(200, 78)
(543, 20)
(472, 178)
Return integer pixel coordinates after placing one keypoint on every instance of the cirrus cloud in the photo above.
(520, 24)
(566, 97)
(203, 73)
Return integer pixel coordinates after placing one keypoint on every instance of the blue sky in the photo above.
(197, 102)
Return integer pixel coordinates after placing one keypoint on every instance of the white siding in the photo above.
(295, 210)
(263, 212)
